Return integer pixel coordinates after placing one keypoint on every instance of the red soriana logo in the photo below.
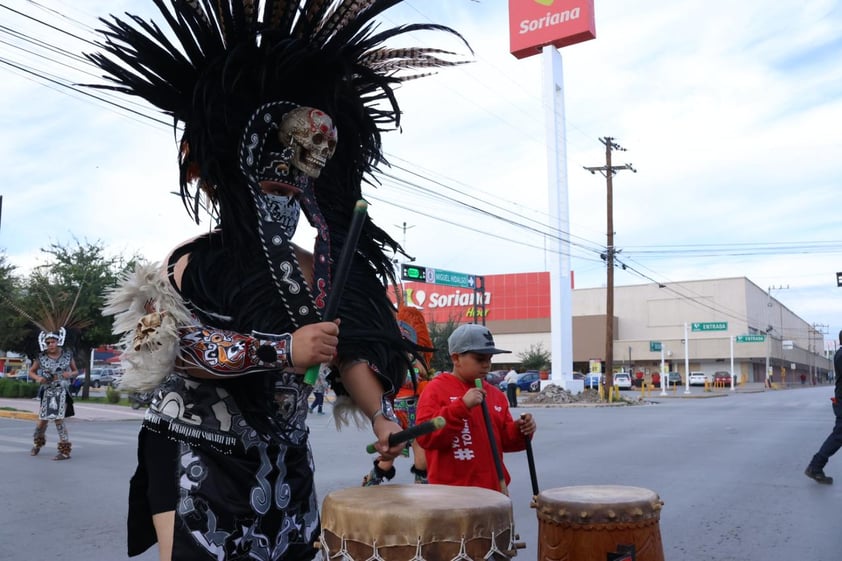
(514, 296)
(536, 23)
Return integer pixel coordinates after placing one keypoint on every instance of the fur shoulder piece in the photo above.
(147, 314)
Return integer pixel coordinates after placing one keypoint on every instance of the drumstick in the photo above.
(412, 432)
(342, 269)
(530, 459)
(498, 464)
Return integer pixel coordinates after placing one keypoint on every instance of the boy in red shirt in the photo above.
(460, 453)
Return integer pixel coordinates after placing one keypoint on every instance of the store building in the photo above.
(724, 322)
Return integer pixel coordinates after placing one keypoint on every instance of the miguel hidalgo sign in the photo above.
(534, 24)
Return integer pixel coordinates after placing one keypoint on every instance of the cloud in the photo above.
(729, 113)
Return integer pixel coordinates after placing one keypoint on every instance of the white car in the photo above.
(622, 380)
(698, 378)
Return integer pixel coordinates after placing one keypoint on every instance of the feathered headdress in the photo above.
(216, 63)
(219, 61)
(414, 327)
(56, 314)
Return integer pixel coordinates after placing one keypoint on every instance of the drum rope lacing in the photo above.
(344, 555)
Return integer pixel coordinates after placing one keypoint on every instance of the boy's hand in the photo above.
(473, 397)
(526, 423)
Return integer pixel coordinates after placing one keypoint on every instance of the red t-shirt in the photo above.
(460, 453)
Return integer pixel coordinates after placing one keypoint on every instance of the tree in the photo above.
(439, 333)
(535, 358)
(13, 326)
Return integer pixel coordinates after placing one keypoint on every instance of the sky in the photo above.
(729, 113)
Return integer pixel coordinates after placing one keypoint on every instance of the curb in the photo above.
(23, 415)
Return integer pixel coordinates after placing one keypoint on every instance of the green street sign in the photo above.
(750, 338)
(413, 273)
(654, 346)
(437, 276)
(449, 278)
(710, 326)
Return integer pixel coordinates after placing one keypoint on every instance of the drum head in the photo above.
(596, 504)
(400, 520)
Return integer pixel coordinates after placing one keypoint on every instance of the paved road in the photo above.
(729, 471)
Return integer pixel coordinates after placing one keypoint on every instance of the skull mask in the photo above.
(312, 136)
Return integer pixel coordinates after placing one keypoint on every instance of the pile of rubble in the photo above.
(553, 394)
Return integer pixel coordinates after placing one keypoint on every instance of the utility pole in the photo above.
(608, 171)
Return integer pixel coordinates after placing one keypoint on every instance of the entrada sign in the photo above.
(710, 326)
(756, 338)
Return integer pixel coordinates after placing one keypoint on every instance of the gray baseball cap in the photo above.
(472, 338)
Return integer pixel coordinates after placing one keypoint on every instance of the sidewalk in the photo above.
(27, 409)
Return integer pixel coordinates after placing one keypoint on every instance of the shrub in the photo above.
(112, 395)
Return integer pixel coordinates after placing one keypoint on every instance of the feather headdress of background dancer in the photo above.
(216, 65)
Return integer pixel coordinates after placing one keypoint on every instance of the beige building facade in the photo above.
(706, 325)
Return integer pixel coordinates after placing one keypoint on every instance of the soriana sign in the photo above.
(514, 296)
(534, 24)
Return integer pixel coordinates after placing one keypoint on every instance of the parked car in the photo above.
(697, 378)
(723, 378)
(622, 380)
(495, 377)
(102, 377)
(673, 379)
(594, 379)
(524, 381)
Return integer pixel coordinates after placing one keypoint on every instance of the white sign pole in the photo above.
(686, 359)
(561, 313)
(732, 363)
(664, 376)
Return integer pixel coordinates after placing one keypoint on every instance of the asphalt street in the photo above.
(729, 470)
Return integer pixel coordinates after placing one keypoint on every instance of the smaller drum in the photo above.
(586, 523)
(417, 523)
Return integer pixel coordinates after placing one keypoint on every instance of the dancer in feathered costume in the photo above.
(52, 368)
(54, 365)
(282, 104)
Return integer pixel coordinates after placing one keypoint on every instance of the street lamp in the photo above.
(769, 328)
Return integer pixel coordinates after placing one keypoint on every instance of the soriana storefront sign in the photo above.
(506, 297)
(533, 24)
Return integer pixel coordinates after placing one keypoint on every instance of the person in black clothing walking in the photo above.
(834, 441)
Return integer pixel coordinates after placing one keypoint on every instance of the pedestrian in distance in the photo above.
(460, 453)
(815, 470)
(511, 387)
(319, 389)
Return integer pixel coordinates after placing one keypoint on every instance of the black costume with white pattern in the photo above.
(233, 452)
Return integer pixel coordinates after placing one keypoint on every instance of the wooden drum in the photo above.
(586, 523)
(417, 523)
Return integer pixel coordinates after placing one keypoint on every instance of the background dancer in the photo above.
(51, 368)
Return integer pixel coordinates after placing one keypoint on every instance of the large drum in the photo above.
(587, 523)
(417, 523)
